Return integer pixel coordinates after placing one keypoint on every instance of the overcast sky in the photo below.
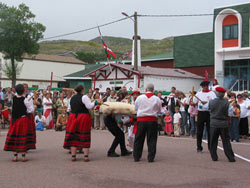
(64, 16)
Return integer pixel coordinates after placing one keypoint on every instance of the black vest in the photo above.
(174, 104)
(18, 108)
(77, 105)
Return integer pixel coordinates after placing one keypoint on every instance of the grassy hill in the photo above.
(117, 44)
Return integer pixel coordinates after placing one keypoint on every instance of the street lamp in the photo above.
(130, 17)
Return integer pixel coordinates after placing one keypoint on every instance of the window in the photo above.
(230, 32)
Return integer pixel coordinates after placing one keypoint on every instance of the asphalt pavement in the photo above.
(177, 165)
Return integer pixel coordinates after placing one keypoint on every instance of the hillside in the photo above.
(119, 45)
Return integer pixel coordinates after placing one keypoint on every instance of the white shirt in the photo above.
(248, 105)
(87, 102)
(214, 87)
(68, 105)
(184, 101)
(243, 110)
(170, 96)
(29, 103)
(42, 119)
(45, 107)
(145, 106)
(177, 117)
(204, 96)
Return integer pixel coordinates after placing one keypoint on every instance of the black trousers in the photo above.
(243, 126)
(224, 134)
(112, 126)
(144, 129)
(203, 118)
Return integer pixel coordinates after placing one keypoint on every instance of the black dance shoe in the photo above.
(127, 153)
(113, 154)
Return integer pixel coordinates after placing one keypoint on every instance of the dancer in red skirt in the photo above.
(32, 127)
(79, 124)
(19, 138)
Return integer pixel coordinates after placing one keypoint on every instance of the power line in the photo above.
(140, 15)
(174, 15)
(186, 15)
(88, 29)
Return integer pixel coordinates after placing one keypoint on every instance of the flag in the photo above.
(108, 51)
(127, 55)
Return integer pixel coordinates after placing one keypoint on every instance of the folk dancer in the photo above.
(31, 99)
(147, 106)
(133, 128)
(202, 98)
(111, 124)
(78, 130)
(19, 138)
(219, 109)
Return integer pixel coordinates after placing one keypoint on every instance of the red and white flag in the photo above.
(108, 51)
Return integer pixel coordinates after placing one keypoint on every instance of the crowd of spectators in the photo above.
(178, 116)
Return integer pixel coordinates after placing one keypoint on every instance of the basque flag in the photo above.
(108, 51)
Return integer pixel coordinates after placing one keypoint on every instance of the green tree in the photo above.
(19, 34)
(91, 57)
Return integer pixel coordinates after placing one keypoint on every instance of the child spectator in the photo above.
(40, 121)
(62, 120)
(193, 111)
(97, 113)
(177, 122)
(234, 122)
(5, 116)
(168, 124)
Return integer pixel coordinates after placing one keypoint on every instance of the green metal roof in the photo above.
(158, 57)
(194, 50)
(88, 68)
(168, 55)
(244, 10)
(198, 49)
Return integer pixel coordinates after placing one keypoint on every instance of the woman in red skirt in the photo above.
(79, 124)
(19, 138)
(30, 102)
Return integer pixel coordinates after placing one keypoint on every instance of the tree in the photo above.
(19, 34)
(91, 57)
(8, 70)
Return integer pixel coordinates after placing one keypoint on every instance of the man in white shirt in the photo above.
(202, 98)
(112, 97)
(147, 106)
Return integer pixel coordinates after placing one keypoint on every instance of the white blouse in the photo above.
(184, 101)
(45, 107)
(86, 100)
(243, 110)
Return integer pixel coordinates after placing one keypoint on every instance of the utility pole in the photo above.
(135, 40)
(135, 46)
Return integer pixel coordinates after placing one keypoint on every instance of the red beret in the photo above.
(136, 92)
(220, 89)
(214, 80)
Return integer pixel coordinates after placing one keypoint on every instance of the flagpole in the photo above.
(107, 56)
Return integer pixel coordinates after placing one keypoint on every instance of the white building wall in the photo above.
(220, 53)
(165, 83)
(41, 71)
(102, 85)
(160, 83)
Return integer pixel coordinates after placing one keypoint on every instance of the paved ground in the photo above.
(177, 165)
